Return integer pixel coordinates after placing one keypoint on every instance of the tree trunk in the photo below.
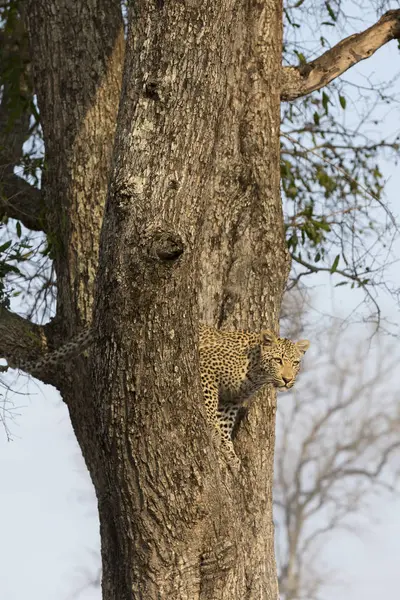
(77, 50)
(192, 230)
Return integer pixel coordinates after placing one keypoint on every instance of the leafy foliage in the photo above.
(332, 183)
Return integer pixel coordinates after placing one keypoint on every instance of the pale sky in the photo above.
(49, 530)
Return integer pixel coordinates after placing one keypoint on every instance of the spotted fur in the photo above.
(234, 365)
(51, 360)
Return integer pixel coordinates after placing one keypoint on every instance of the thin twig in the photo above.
(347, 175)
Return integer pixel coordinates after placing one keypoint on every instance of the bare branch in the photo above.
(346, 174)
(318, 493)
(300, 81)
(316, 269)
(356, 277)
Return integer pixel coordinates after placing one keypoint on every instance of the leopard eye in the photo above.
(279, 360)
(296, 363)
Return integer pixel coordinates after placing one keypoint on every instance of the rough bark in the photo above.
(77, 50)
(192, 228)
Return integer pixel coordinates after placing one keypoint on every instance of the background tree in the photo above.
(193, 227)
(337, 446)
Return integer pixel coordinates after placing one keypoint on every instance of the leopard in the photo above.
(234, 366)
(64, 353)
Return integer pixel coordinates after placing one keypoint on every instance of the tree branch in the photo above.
(20, 200)
(38, 350)
(20, 340)
(302, 80)
(315, 269)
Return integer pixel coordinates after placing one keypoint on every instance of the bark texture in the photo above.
(192, 229)
(77, 51)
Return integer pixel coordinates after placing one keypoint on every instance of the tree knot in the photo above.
(165, 245)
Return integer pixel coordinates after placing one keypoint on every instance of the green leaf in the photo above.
(330, 11)
(335, 264)
(13, 269)
(323, 225)
(325, 101)
(5, 246)
(342, 101)
(18, 228)
(301, 57)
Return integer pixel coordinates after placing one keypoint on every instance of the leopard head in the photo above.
(281, 358)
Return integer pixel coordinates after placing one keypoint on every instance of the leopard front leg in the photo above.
(227, 415)
(219, 427)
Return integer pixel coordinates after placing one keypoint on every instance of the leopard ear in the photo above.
(268, 338)
(303, 345)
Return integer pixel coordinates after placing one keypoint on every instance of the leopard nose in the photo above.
(287, 378)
